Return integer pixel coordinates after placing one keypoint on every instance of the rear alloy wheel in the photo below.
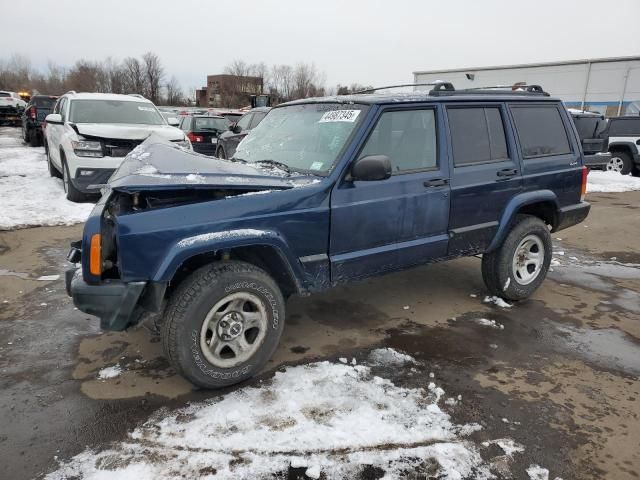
(517, 268)
(620, 162)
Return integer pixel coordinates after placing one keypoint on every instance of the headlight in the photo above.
(185, 144)
(87, 148)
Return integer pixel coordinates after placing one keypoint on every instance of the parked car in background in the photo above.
(591, 129)
(11, 107)
(171, 118)
(350, 187)
(624, 144)
(229, 140)
(88, 135)
(203, 130)
(33, 117)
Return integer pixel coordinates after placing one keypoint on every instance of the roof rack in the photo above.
(71, 92)
(515, 89)
(135, 95)
(438, 85)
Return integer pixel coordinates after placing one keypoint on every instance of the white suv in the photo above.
(88, 135)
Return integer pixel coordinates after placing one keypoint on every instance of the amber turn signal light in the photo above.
(95, 255)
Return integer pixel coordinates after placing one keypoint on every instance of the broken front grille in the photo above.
(119, 148)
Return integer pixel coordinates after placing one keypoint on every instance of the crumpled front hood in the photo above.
(128, 132)
(159, 165)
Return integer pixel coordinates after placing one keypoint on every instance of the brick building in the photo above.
(231, 91)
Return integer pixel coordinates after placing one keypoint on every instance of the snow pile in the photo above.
(389, 357)
(485, 322)
(329, 418)
(497, 301)
(611, 182)
(110, 372)
(30, 197)
(508, 446)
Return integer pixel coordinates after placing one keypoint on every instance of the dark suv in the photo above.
(327, 191)
(228, 141)
(33, 117)
(592, 131)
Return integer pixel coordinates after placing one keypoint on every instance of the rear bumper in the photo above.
(597, 160)
(112, 301)
(205, 148)
(572, 215)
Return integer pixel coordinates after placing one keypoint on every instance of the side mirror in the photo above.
(173, 121)
(54, 118)
(371, 168)
(235, 128)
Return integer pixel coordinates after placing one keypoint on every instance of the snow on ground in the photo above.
(110, 372)
(497, 301)
(598, 181)
(30, 197)
(329, 418)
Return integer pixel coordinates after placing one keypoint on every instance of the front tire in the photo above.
(517, 268)
(34, 139)
(223, 324)
(73, 194)
(221, 153)
(620, 162)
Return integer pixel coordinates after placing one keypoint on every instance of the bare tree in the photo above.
(174, 92)
(154, 74)
(134, 74)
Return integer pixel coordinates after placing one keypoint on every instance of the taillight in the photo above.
(95, 255)
(195, 138)
(34, 113)
(583, 189)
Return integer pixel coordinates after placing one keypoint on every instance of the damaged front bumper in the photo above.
(112, 301)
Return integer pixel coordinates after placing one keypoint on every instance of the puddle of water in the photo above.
(608, 347)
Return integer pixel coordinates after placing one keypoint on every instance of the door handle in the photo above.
(436, 182)
(507, 172)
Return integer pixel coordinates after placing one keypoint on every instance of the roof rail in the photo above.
(438, 85)
(515, 89)
(71, 92)
(135, 95)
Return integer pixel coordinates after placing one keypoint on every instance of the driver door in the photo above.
(385, 225)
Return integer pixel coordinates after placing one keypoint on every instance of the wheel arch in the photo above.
(268, 252)
(627, 147)
(542, 204)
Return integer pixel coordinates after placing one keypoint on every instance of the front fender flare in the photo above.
(515, 204)
(633, 148)
(189, 247)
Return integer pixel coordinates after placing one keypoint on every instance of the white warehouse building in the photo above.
(607, 85)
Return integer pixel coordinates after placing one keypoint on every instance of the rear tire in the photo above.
(620, 162)
(517, 268)
(73, 194)
(223, 324)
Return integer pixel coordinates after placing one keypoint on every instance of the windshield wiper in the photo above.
(236, 159)
(275, 163)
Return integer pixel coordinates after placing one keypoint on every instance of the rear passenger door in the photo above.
(550, 152)
(485, 173)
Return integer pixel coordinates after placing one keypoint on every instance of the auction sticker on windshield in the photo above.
(340, 116)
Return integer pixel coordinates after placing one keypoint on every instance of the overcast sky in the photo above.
(370, 42)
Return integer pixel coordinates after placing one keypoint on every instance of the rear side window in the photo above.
(626, 126)
(477, 135)
(407, 137)
(5, 94)
(541, 131)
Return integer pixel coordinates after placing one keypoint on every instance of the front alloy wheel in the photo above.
(233, 330)
(615, 164)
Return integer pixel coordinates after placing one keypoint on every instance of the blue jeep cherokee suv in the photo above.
(325, 191)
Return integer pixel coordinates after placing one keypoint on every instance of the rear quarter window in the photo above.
(540, 130)
(626, 126)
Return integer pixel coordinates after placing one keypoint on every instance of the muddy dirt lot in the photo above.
(561, 377)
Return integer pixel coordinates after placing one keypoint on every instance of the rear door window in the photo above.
(477, 135)
(541, 130)
(624, 126)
